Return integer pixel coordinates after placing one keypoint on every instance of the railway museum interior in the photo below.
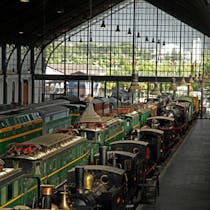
(105, 104)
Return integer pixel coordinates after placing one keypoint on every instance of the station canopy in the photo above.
(38, 22)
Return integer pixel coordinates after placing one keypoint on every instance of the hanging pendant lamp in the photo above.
(156, 90)
(103, 24)
(118, 28)
(191, 79)
(173, 86)
(183, 82)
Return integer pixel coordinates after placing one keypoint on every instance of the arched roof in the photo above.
(40, 21)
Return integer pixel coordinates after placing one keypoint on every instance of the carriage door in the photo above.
(25, 92)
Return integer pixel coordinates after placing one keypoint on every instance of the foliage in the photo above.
(117, 59)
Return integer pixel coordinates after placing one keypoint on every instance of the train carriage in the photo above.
(102, 130)
(155, 138)
(137, 147)
(101, 105)
(179, 111)
(12, 186)
(75, 112)
(189, 105)
(54, 117)
(47, 157)
(24, 124)
(144, 113)
(129, 116)
(166, 124)
(19, 127)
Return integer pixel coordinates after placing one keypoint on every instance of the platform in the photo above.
(185, 182)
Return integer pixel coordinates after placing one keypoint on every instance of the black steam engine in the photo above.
(118, 180)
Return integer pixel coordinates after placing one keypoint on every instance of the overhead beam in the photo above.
(104, 78)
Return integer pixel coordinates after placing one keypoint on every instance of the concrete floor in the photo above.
(185, 182)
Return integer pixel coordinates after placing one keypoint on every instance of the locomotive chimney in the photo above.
(138, 134)
(47, 191)
(114, 160)
(103, 155)
(79, 179)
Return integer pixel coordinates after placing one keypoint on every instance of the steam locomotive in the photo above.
(117, 181)
(50, 159)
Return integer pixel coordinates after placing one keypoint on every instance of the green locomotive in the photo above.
(100, 130)
(129, 116)
(47, 158)
(144, 113)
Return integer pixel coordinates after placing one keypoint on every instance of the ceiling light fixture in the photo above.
(118, 28)
(24, 1)
(60, 11)
(183, 82)
(103, 24)
(156, 90)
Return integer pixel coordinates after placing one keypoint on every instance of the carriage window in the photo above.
(25, 118)
(26, 165)
(30, 117)
(54, 164)
(9, 192)
(47, 119)
(4, 124)
(1, 125)
(15, 192)
(3, 195)
(38, 168)
(90, 135)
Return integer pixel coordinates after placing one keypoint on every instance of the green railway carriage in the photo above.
(19, 127)
(75, 112)
(12, 186)
(102, 130)
(190, 106)
(114, 131)
(194, 104)
(144, 113)
(47, 157)
(27, 124)
(54, 117)
(131, 121)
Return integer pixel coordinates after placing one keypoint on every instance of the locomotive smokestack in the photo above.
(79, 179)
(103, 155)
(47, 191)
(138, 134)
(114, 160)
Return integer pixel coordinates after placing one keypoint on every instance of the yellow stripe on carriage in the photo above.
(74, 115)
(65, 166)
(2, 130)
(12, 200)
(136, 125)
(118, 133)
(21, 134)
